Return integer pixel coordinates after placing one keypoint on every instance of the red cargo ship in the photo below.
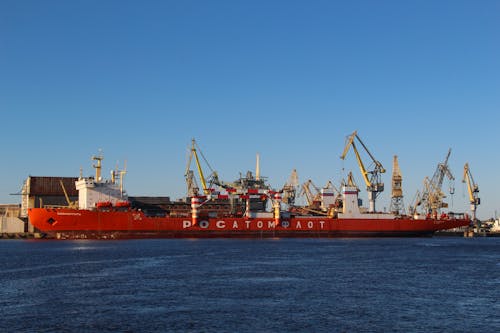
(115, 223)
(105, 212)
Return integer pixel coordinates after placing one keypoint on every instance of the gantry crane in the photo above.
(373, 179)
(472, 189)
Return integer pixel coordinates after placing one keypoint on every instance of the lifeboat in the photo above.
(104, 204)
(121, 204)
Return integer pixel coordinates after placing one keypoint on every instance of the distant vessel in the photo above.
(495, 227)
(104, 211)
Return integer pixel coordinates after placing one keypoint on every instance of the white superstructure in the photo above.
(91, 192)
(351, 206)
(496, 226)
(94, 190)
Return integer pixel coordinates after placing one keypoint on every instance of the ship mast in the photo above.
(98, 166)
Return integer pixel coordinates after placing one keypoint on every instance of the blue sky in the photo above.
(287, 79)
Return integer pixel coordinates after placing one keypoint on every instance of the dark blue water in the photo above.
(277, 285)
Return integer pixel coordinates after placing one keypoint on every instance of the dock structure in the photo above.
(40, 191)
(37, 191)
(11, 225)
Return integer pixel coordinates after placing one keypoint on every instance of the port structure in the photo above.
(290, 188)
(372, 178)
(397, 205)
(430, 199)
(192, 186)
(313, 200)
(472, 190)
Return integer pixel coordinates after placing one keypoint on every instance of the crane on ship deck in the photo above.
(372, 178)
(71, 204)
(472, 189)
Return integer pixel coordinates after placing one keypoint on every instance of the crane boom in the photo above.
(432, 194)
(188, 175)
(472, 189)
(362, 168)
(71, 204)
(373, 182)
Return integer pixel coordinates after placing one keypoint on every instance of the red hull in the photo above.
(74, 223)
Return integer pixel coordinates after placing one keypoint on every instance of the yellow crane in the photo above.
(432, 195)
(372, 178)
(306, 191)
(472, 189)
(214, 179)
(312, 199)
(71, 204)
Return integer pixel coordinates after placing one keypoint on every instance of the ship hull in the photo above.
(116, 224)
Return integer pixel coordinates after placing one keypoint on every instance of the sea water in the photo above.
(272, 285)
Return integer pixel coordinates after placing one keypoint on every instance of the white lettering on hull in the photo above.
(221, 224)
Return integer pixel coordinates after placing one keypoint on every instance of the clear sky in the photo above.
(287, 79)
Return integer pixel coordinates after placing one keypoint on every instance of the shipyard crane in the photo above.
(306, 191)
(290, 188)
(191, 184)
(441, 171)
(415, 203)
(372, 178)
(472, 189)
(431, 198)
(397, 206)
